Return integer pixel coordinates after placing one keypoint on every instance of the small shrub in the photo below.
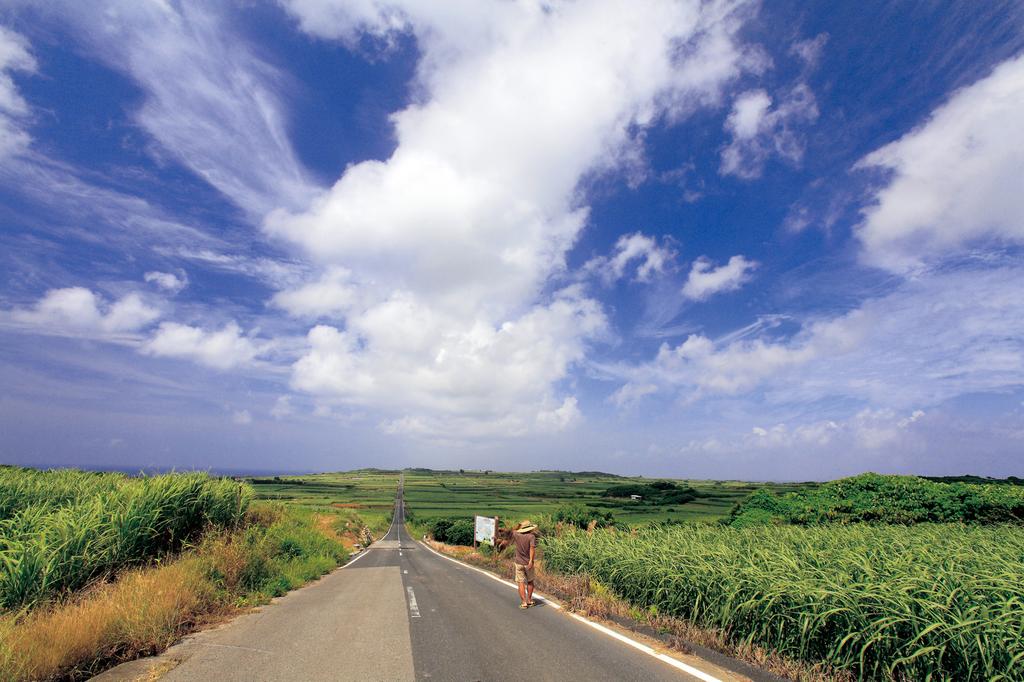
(582, 517)
(452, 531)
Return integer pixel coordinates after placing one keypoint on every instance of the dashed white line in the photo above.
(414, 610)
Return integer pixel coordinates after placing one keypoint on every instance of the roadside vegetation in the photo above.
(62, 529)
(157, 557)
(884, 602)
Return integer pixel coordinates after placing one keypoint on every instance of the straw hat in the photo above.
(525, 526)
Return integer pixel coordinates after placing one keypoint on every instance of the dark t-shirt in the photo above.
(524, 541)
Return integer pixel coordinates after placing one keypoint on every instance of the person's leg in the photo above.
(529, 591)
(522, 593)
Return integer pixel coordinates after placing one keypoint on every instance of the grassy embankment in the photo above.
(891, 599)
(101, 568)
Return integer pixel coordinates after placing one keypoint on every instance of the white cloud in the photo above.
(77, 311)
(705, 279)
(868, 429)
(241, 417)
(275, 273)
(282, 407)
(561, 417)
(929, 340)
(955, 180)
(452, 241)
(209, 101)
(224, 349)
(630, 394)
(651, 259)
(14, 56)
(489, 380)
(760, 131)
(809, 50)
(748, 114)
(168, 281)
(332, 295)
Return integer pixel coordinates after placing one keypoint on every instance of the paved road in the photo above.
(400, 612)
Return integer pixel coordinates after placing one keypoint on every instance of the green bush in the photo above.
(452, 531)
(875, 498)
(581, 517)
(659, 492)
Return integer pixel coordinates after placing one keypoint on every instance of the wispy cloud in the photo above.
(930, 340)
(14, 56)
(210, 102)
(955, 181)
(761, 128)
(643, 251)
(168, 281)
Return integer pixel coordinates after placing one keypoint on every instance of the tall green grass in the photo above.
(884, 602)
(21, 488)
(93, 524)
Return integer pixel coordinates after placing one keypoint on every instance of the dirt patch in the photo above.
(327, 525)
(348, 505)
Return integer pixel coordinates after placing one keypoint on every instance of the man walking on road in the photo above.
(526, 551)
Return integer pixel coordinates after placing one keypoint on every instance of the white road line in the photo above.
(679, 665)
(358, 557)
(490, 575)
(647, 650)
(406, 572)
(414, 610)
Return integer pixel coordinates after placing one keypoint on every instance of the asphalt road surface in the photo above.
(401, 612)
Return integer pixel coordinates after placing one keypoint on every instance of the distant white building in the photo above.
(636, 497)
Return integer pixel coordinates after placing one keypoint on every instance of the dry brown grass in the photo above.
(143, 612)
(583, 595)
(328, 525)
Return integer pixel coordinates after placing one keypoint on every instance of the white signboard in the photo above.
(484, 529)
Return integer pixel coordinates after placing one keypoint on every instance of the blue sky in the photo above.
(701, 239)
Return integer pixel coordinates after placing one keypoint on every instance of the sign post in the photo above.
(483, 530)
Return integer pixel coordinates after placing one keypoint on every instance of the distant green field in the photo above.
(370, 492)
(435, 494)
(515, 496)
